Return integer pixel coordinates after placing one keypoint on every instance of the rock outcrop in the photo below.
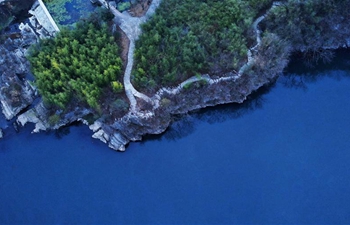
(42, 117)
(16, 91)
(133, 127)
(17, 94)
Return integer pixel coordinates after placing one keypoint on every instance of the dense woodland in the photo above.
(310, 24)
(312, 28)
(186, 38)
(78, 65)
(189, 37)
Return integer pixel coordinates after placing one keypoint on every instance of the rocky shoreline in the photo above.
(133, 125)
(151, 117)
(17, 94)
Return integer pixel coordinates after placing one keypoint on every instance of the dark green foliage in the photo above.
(53, 119)
(118, 108)
(77, 64)
(259, 5)
(187, 37)
(271, 58)
(119, 105)
(122, 6)
(309, 24)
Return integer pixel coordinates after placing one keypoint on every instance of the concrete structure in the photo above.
(44, 18)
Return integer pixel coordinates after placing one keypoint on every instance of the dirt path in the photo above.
(132, 28)
(206, 77)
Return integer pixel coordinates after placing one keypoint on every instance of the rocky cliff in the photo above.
(16, 90)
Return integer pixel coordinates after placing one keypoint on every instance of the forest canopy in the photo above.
(77, 65)
(310, 24)
(189, 37)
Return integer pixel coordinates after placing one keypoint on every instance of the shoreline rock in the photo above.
(16, 91)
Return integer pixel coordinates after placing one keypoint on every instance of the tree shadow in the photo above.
(64, 130)
(299, 75)
(181, 127)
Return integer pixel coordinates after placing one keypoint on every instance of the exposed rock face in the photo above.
(40, 116)
(132, 127)
(32, 116)
(1, 133)
(16, 91)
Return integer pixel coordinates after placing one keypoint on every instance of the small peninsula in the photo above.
(128, 68)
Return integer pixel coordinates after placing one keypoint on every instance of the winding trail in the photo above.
(250, 61)
(255, 25)
(132, 28)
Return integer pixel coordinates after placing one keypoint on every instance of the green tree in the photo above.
(77, 64)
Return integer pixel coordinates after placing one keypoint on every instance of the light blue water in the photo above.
(283, 157)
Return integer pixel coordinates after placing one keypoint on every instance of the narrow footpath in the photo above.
(131, 26)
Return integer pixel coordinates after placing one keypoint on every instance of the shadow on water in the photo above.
(184, 125)
(65, 130)
(299, 75)
(221, 113)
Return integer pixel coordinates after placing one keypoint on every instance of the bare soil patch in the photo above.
(140, 9)
(124, 44)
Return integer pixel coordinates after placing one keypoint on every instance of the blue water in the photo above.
(282, 157)
(78, 9)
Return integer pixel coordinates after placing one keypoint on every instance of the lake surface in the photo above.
(68, 12)
(281, 157)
